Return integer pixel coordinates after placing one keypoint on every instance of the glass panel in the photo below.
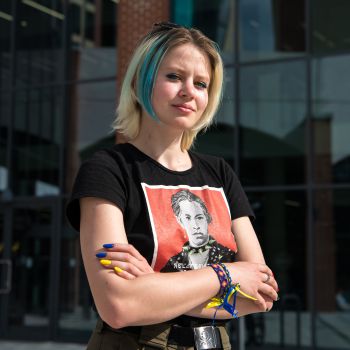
(75, 303)
(215, 18)
(39, 42)
(273, 111)
(280, 225)
(92, 33)
(4, 116)
(271, 29)
(4, 264)
(109, 23)
(37, 141)
(330, 30)
(91, 111)
(331, 122)
(219, 138)
(2, 247)
(31, 258)
(332, 281)
(5, 40)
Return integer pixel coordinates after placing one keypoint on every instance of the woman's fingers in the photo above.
(120, 266)
(125, 259)
(125, 248)
(268, 276)
(255, 280)
(268, 291)
(270, 280)
(260, 302)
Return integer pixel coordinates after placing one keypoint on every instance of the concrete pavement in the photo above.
(14, 345)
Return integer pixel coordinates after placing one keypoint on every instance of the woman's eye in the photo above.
(172, 76)
(202, 84)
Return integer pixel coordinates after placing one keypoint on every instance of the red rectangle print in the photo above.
(191, 227)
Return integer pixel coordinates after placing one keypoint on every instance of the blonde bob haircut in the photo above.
(152, 49)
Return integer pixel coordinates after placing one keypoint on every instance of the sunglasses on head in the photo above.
(166, 26)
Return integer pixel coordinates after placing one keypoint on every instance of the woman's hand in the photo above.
(256, 280)
(124, 259)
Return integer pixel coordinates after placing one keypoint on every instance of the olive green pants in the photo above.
(151, 337)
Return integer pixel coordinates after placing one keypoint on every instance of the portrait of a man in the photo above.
(201, 248)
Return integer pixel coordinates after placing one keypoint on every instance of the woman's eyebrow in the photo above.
(183, 71)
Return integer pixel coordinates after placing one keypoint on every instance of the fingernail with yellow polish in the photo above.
(105, 262)
(118, 269)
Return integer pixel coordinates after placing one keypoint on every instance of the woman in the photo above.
(121, 204)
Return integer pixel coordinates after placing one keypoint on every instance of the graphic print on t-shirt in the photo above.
(191, 227)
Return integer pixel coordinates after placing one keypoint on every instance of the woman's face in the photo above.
(180, 93)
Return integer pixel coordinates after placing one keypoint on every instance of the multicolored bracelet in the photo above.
(222, 277)
(227, 272)
(228, 291)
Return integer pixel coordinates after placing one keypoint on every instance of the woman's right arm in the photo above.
(148, 299)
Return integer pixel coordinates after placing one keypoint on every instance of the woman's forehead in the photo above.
(187, 56)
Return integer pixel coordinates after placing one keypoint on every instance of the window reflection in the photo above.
(75, 301)
(219, 139)
(39, 43)
(331, 108)
(215, 18)
(280, 225)
(37, 141)
(31, 258)
(6, 19)
(91, 112)
(4, 111)
(92, 40)
(273, 110)
(332, 283)
(330, 31)
(271, 29)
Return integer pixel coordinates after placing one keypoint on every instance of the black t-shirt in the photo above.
(159, 221)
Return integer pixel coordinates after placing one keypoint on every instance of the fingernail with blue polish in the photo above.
(108, 245)
(101, 255)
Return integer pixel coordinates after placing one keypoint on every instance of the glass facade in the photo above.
(283, 126)
(272, 123)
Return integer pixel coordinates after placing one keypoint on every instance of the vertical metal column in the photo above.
(237, 106)
(237, 90)
(310, 177)
(7, 196)
(10, 116)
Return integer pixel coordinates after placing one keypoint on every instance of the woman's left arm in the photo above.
(249, 250)
(247, 242)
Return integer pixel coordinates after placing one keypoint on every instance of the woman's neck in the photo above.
(164, 146)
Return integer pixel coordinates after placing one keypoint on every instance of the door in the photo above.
(27, 268)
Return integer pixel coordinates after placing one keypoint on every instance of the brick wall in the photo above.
(135, 19)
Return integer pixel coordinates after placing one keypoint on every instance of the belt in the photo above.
(200, 336)
(205, 337)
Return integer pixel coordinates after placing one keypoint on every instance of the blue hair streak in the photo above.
(148, 73)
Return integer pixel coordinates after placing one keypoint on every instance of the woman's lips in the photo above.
(184, 109)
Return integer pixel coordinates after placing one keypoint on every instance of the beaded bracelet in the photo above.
(228, 290)
(227, 272)
(237, 285)
(222, 277)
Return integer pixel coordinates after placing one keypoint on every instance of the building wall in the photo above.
(283, 126)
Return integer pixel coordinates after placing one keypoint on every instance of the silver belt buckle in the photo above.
(207, 337)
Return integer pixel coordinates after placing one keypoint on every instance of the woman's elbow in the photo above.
(113, 313)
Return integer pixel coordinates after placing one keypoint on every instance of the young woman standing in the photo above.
(121, 204)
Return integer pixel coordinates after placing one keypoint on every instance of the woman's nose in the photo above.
(187, 89)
